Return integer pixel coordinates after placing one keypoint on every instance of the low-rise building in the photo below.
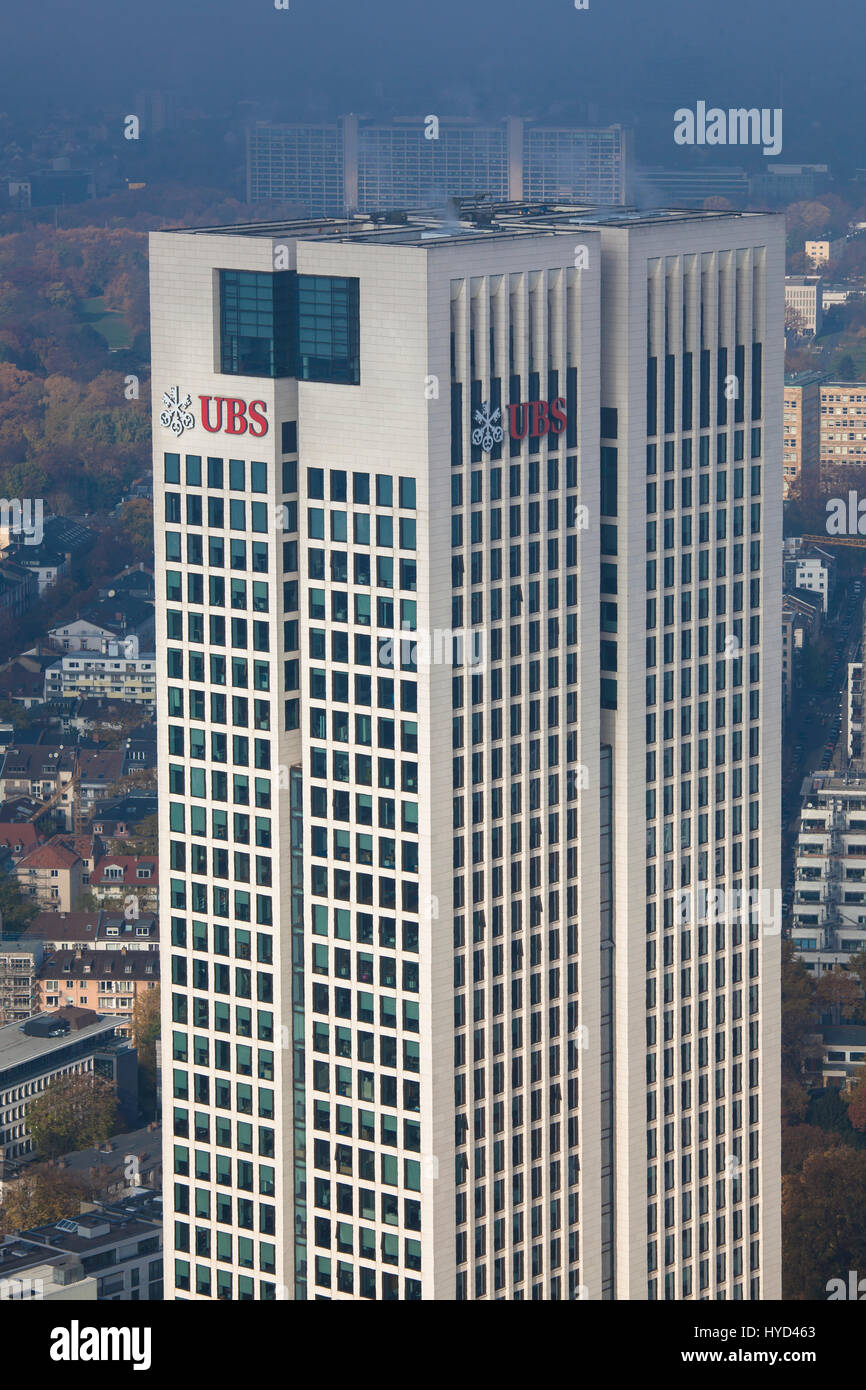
(804, 304)
(117, 673)
(18, 589)
(96, 930)
(109, 981)
(135, 582)
(840, 1054)
(19, 964)
(121, 876)
(118, 618)
(132, 1159)
(18, 838)
(824, 249)
(100, 772)
(41, 771)
(52, 875)
(812, 571)
(32, 1269)
(68, 1040)
(116, 1245)
(122, 817)
(22, 680)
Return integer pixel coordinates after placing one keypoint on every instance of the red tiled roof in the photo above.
(50, 856)
(22, 833)
(130, 863)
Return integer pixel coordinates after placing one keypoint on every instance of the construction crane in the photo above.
(834, 540)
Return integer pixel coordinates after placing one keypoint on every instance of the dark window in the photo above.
(609, 423)
(255, 323)
(652, 396)
(608, 481)
(329, 339)
(757, 382)
(687, 390)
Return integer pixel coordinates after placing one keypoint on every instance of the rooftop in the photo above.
(87, 926)
(470, 219)
(137, 1215)
(145, 1144)
(805, 378)
(17, 1048)
(844, 1035)
(100, 965)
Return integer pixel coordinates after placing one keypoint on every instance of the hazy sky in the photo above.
(633, 58)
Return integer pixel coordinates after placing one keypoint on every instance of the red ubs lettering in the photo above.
(234, 416)
(537, 417)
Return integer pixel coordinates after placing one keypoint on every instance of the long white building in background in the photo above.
(354, 164)
(462, 546)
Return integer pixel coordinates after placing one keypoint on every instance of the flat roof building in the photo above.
(473, 529)
(80, 1041)
(354, 164)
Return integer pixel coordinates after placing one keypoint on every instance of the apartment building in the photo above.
(118, 673)
(824, 249)
(19, 964)
(801, 433)
(843, 422)
(52, 875)
(353, 164)
(99, 930)
(130, 877)
(829, 906)
(109, 981)
(554, 435)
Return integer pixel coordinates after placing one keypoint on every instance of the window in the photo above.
(255, 323)
(328, 329)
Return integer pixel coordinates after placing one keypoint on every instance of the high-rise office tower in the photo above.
(467, 550)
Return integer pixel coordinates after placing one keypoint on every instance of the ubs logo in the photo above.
(228, 414)
(233, 416)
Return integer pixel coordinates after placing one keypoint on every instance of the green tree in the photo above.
(839, 991)
(145, 1032)
(16, 911)
(856, 1099)
(75, 1111)
(800, 1141)
(41, 1195)
(798, 1010)
(823, 1221)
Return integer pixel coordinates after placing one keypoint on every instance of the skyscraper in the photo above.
(465, 702)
